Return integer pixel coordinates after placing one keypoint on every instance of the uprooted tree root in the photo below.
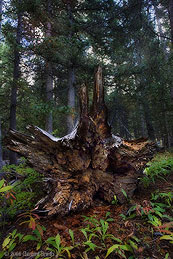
(87, 163)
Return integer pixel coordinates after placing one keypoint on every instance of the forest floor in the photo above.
(133, 229)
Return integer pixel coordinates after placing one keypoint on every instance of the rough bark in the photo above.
(16, 76)
(1, 159)
(49, 97)
(71, 99)
(49, 78)
(142, 119)
(88, 163)
(170, 9)
(1, 2)
(71, 77)
(148, 121)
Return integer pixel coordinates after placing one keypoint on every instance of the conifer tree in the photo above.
(16, 77)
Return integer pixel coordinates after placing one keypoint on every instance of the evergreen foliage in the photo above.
(130, 39)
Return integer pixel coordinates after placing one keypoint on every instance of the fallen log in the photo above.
(88, 163)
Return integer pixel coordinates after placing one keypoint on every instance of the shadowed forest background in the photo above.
(50, 48)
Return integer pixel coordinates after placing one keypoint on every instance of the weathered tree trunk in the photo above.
(88, 163)
(71, 75)
(1, 159)
(148, 121)
(49, 97)
(170, 10)
(71, 99)
(16, 76)
(142, 119)
(49, 77)
(1, 3)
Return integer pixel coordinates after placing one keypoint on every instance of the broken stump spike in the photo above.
(83, 100)
(99, 112)
(98, 95)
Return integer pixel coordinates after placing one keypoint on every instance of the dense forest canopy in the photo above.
(48, 48)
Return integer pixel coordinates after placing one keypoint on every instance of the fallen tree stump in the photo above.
(88, 163)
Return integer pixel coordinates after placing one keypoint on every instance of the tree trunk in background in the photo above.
(1, 159)
(49, 98)
(159, 26)
(87, 165)
(49, 78)
(16, 76)
(71, 100)
(141, 98)
(142, 119)
(170, 9)
(71, 78)
(148, 121)
(166, 139)
(166, 134)
(172, 93)
(1, 3)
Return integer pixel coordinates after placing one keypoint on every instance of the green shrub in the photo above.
(24, 192)
(159, 167)
(24, 201)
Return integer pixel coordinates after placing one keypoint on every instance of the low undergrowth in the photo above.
(22, 194)
(159, 167)
(141, 228)
(97, 241)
